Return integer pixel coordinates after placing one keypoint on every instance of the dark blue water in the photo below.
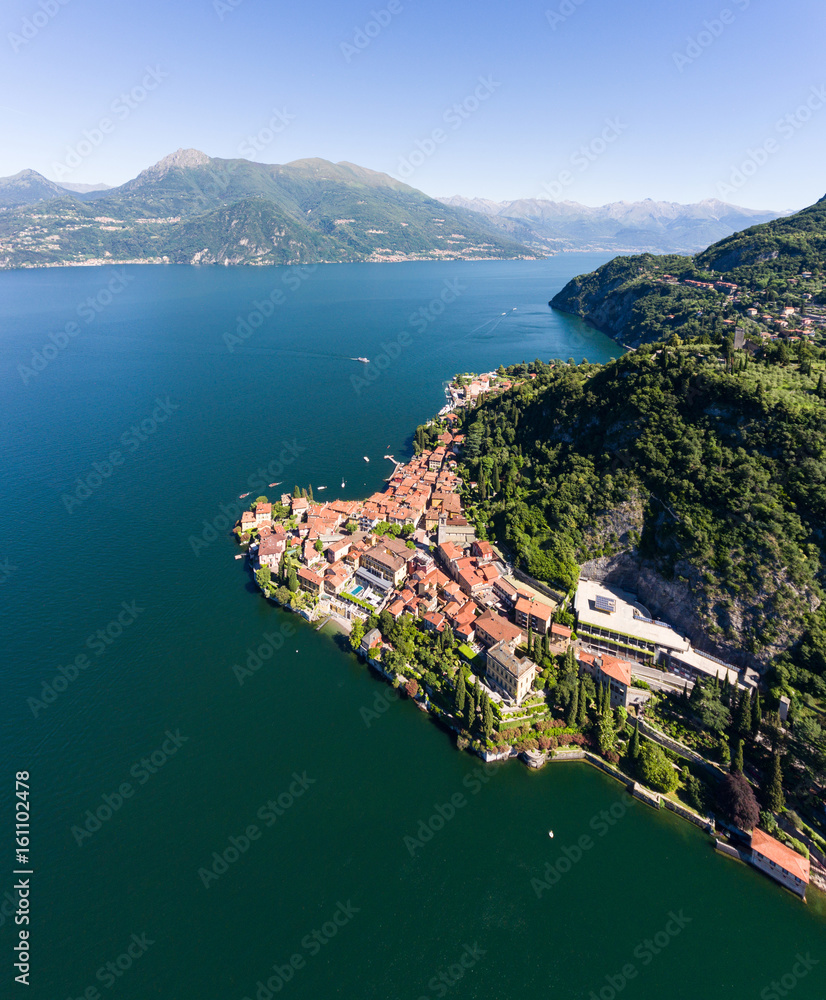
(125, 444)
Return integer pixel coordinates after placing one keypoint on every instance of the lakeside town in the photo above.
(443, 615)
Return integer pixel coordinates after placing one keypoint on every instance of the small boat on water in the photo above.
(241, 497)
(321, 487)
(276, 484)
(366, 459)
(343, 484)
(550, 833)
(364, 361)
(240, 556)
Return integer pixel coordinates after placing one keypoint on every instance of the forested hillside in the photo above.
(699, 476)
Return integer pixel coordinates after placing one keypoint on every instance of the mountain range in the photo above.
(623, 226)
(194, 209)
(191, 208)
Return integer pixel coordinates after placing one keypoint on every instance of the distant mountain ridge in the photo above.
(639, 226)
(193, 208)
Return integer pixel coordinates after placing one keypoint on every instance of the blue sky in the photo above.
(592, 101)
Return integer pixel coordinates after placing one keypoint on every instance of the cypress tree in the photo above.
(725, 693)
(775, 800)
(494, 479)
(581, 706)
(546, 647)
(742, 721)
(461, 693)
(821, 389)
(737, 761)
(487, 717)
(634, 744)
(292, 580)
(756, 714)
(571, 716)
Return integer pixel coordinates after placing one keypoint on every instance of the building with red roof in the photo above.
(779, 862)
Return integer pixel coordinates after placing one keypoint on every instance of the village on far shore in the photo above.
(409, 557)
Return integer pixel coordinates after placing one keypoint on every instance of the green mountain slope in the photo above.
(643, 299)
(192, 208)
(699, 485)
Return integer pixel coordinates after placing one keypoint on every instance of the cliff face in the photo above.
(606, 298)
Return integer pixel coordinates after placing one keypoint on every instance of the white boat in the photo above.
(550, 833)
(343, 484)
(364, 361)
(321, 487)
(366, 459)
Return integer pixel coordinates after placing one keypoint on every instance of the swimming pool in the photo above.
(358, 590)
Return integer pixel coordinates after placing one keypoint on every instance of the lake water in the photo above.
(126, 442)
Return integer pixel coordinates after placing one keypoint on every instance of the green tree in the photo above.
(319, 545)
(737, 759)
(356, 634)
(756, 714)
(292, 580)
(634, 742)
(775, 799)
(656, 769)
(581, 716)
(461, 693)
(571, 715)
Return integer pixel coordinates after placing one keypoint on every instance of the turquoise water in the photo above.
(186, 705)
